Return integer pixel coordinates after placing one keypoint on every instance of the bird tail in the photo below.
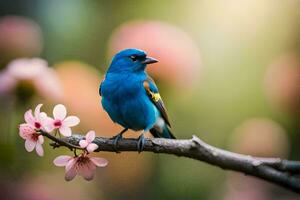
(165, 133)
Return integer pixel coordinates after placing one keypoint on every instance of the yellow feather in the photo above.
(155, 96)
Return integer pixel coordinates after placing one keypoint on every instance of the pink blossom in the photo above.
(33, 140)
(82, 165)
(62, 122)
(88, 142)
(38, 120)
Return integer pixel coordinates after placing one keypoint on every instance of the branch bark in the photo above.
(275, 170)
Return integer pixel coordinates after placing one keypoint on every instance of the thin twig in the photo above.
(60, 142)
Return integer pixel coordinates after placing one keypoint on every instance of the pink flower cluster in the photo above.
(38, 122)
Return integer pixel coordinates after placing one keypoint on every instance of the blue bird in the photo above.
(131, 98)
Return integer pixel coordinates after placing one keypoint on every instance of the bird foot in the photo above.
(141, 143)
(116, 139)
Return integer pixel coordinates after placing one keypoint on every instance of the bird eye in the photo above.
(133, 58)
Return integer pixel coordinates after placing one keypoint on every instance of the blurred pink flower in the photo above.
(7, 83)
(62, 122)
(26, 68)
(245, 140)
(34, 70)
(282, 83)
(20, 36)
(82, 165)
(33, 140)
(88, 142)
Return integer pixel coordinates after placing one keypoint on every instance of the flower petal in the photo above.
(45, 120)
(90, 136)
(22, 132)
(43, 116)
(29, 145)
(39, 149)
(65, 131)
(86, 171)
(59, 112)
(91, 147)
(70, 174)
(37, 111)
(61, 161)
(40, 139)
(71, 121)
(92, 165)
(48, 124)
(83, 143)
(99, 162)
(29, 119)
(25, 131)
(71, 163)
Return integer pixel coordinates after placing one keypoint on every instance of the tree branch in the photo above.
(274, 170)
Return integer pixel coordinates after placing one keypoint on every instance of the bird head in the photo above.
(130, 60)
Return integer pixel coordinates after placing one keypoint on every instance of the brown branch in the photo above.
(274, 170)
(59, 142)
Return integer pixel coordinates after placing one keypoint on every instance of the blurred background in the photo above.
(229, 72)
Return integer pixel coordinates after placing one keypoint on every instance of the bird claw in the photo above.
(141, 143)
(116, 139)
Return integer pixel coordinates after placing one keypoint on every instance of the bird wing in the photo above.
(152, 92)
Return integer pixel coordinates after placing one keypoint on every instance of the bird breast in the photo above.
(124, 87)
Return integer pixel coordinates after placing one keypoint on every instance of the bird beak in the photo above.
(149, 60)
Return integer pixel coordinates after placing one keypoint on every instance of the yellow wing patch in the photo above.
(154, 96)
(157, 100)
